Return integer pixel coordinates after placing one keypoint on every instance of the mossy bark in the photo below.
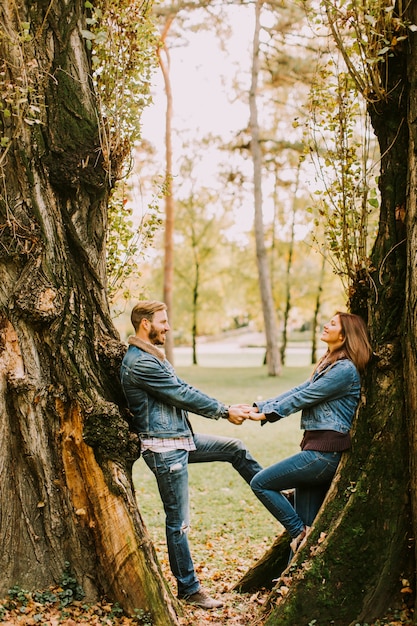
(66, 493)
(410, 332)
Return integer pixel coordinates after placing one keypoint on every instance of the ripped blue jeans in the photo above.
(171, 472)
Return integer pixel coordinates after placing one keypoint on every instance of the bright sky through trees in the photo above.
(205, 102)
(210, 86)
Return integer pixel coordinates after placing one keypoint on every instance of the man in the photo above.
(159, 401)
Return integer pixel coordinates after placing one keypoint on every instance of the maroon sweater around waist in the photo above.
(325, 441)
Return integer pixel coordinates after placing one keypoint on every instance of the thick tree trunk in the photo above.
(66, 493)
(359, 551)
(410, 334)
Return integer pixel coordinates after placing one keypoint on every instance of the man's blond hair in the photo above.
(145, 310)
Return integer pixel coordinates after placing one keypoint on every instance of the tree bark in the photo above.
(268, 307)
(66, 493)
(410, 215)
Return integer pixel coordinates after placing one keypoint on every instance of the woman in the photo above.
(328, 401)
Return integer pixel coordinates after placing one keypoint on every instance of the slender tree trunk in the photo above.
(288, 271)
(168, 295)
(316, 315)
(275, 225)
(66, 493)
(195, 309)
(268, 307)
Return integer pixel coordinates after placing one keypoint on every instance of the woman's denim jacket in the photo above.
(328, 400)
(157, 398)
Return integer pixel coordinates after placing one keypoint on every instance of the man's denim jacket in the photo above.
(157, 398)
(328, 400)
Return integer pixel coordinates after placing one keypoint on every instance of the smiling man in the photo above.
(159, 402)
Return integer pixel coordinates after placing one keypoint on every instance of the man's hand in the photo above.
(238, 413)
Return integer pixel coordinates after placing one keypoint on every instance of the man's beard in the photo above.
(155, 337)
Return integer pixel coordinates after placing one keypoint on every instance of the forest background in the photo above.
(215, 275)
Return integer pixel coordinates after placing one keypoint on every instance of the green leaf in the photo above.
(87, 34)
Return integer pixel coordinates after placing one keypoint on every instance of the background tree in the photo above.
(66, 492)
(271, 324)
(166, 14)
(199, 265)
(168, 291)
(287, 301)
(315, 322)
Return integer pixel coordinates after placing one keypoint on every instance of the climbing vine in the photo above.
(345, 156)
(20, 102)
(123, 41)
(366, 34)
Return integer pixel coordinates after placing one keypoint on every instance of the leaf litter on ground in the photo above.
(239, 609)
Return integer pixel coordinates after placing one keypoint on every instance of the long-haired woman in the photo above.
(328, 401)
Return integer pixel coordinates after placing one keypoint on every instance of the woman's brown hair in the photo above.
(355, 346)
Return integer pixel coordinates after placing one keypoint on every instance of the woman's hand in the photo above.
(255, 416)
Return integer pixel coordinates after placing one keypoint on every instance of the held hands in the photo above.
(238, 413)
(255, 415)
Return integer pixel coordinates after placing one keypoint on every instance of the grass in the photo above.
(230, 528)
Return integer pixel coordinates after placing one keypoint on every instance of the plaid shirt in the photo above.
(158, 444)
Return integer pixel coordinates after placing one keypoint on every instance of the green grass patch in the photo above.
(230, 528)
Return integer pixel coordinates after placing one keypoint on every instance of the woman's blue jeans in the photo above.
(171, 472)
(310, 473)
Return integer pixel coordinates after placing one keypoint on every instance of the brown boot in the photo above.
(202, 599)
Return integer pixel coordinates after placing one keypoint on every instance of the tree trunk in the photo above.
(288, 271)
(268, 307)
(315, 322)
(267, 570)
(410, 327)
(359, 551)
(66, 493)
(196, 287)
(168, 296)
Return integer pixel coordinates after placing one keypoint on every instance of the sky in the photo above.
(199, 71)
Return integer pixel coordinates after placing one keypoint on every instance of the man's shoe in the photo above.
(201, 599)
